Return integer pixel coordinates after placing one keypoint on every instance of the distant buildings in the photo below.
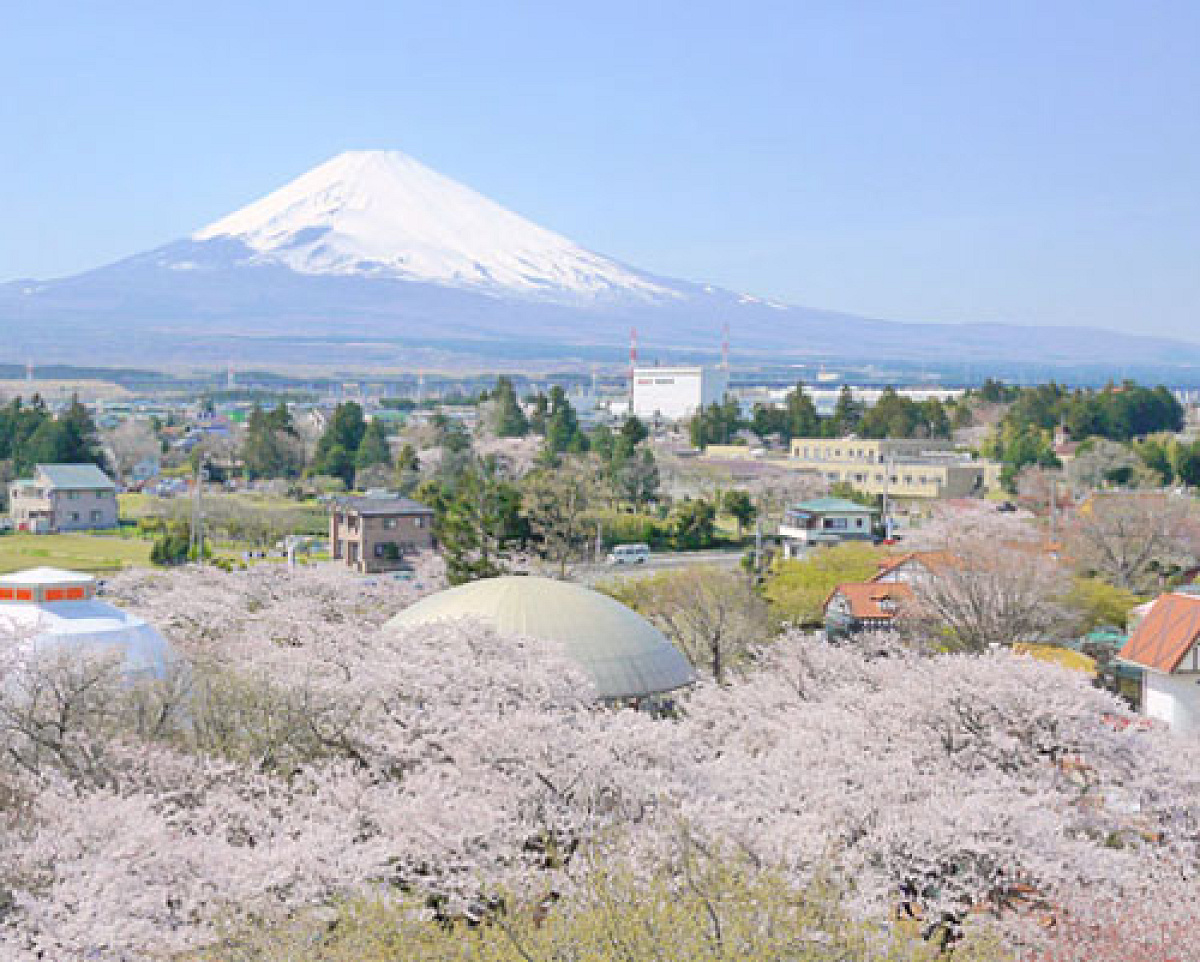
(824, 521)
(63, 497)
(377, 533)
(677, 392)
(902, 468)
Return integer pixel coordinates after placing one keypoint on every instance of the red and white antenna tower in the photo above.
(725, 346)
(632, 363)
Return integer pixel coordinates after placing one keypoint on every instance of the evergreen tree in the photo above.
(802, 420)
(562, 425)
(508, 420)
(374, 448)
(272, 447)
(847, 414)
(477, 521)
(338, 445)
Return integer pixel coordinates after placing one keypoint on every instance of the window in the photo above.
(96, 515)
(858, 522)
(74, 515)
(837, 524)
(390, 523)
(419, 521)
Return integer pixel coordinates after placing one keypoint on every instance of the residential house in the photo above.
(824, 521)
(1166, 646)
(864, 606)
(63, 497)
(913, 568)
(378, 532)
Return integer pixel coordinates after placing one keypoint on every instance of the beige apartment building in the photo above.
(905, 469)
(378, 532)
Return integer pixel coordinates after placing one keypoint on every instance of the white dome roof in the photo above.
(624, 655)
(43, 626)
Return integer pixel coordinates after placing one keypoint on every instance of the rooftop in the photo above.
(381, 505)
(1165, 635)
(41, 585)
(832, 506)
(866, 599)
(75, 476)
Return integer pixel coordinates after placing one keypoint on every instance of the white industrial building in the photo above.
(677, 392)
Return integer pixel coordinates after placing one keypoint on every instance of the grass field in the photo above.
(78, 552)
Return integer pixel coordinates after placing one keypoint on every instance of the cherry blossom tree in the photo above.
(308, 755)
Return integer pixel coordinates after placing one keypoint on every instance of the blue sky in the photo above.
(1035, 162)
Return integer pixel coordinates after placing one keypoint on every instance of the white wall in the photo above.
(1174, 699)
(676, 392)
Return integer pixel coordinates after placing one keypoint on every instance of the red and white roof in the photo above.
(43, 585)
(49, 610)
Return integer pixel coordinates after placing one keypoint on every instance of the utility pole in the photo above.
(1053, 508)
(887, 479)
(196, 535)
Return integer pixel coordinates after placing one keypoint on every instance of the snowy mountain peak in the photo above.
(381, 213)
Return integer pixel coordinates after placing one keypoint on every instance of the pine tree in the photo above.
(338, 446)
(374, 448)
(509, 420)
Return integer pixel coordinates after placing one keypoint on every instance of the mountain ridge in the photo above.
(375, 244)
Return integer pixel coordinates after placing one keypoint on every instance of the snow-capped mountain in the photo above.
(378, 255)
(380, 213)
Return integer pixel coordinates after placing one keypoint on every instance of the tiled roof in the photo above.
(931, 561)
(380, 505)
(865, 597)
(1166, 634)
(75, 476)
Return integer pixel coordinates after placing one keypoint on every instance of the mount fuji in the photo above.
(375, 248)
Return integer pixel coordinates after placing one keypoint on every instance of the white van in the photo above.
(629, 554)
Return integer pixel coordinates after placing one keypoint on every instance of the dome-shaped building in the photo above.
(51, 610)
(625, 656)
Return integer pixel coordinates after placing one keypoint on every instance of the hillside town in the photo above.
(1028, 553)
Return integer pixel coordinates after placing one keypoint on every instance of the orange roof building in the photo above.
(858, 606)
(910, 567)
(1166, 645)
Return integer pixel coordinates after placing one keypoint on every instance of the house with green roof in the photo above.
(823, 522)
(63, 497)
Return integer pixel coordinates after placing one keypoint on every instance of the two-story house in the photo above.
(376, 533)
(63, 497)
(824, 521)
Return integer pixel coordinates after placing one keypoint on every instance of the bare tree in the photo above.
(991, 583)
(130, 443)
(714, 616)
(1134, 540)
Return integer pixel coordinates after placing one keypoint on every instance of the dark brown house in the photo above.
(379, 533)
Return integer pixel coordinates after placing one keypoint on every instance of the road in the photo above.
(660, 561)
